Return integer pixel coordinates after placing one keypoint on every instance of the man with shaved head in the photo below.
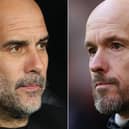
(107, 41)
(23, 62)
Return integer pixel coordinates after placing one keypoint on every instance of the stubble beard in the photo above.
(118, 103)
(107, 104)
(10, 101)
(113, 99)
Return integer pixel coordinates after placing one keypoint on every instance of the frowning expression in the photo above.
(107, 42)
(23, 56)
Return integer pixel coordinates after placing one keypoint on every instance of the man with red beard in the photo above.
(107, 41)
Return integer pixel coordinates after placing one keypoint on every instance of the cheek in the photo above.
(45, 62)
(10, 69)
(122, 73)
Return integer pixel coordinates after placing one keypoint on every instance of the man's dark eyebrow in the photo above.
(15, 42)
(115, 38)
(107, 40)
(88, 44)
(22, 42)
(45, 39)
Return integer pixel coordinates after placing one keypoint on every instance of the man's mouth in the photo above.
(103, 85)
(30, 87)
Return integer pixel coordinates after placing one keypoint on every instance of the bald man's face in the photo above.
(107, 41)
(23, 56)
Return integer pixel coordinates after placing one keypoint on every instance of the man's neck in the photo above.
(7, 121)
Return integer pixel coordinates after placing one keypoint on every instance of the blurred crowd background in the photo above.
(82, 111)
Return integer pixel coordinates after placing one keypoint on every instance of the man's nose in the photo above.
(33, 63)
(99, 63)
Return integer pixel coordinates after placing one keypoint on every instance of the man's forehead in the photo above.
(21, 19)
(15, 7)
(24, 21)
(7, 3)
(18, 12)
(114, 10)
(15, 3)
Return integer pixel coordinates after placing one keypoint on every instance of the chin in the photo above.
(31, 105)
(30, 109)
(108, 105)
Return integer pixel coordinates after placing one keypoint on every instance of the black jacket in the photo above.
(49, 117)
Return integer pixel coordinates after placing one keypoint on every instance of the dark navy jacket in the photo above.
(112, 125)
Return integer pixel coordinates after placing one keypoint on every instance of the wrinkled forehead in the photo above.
(111, 12)
(29, 20)
(21, 19)
(17, 10)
